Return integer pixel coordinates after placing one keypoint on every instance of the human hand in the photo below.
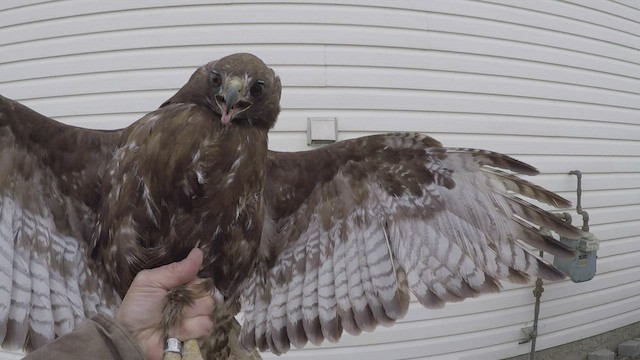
(142, 307)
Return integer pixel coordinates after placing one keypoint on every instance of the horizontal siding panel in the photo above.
(192, 56)
(615, 9)
(396, 99)
(551, 340)
(629, 3)
(201, 34)
(617, 230)
(615, 214)
(313, 13)
(476, 63)
(593, 164)
(531, 35)
(574, 10)
(214, 14)
(619, 246)
(52, 10)
(342, 35)
(603, 313)
(477, 84)
(16, 4)
(611, 198)
(604, 181)
(531, 52)
(521, 13)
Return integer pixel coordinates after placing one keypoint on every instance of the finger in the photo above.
(177, 273)
(201, 307)
(192, 328)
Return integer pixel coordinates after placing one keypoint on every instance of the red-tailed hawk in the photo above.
(310, 243)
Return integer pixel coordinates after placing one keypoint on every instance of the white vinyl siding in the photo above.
(554, 83)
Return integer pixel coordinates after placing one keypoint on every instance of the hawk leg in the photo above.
(222, 343)
(177, 300)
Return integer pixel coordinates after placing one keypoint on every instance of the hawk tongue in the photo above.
(226, 115)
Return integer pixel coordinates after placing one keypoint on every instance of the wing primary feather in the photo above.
(7, 253)
(414, 258)
(71, 286)
(528, 189)
(549, 272)
(377, 273)
(386, 279)
(41, 322)
(295, 330)
(544, 242)
(248, 334)
(261, 318)
(327, 304)
(490, 158)
(385, 233)
(541, 217)
(63, 315)
(361, 310)
(310, 320)
(276, 319)
(17, 326)
(377, 312)
(345, 311)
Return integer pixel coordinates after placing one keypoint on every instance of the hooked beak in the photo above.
(232, 102)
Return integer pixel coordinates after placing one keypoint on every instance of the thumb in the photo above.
(178, 273)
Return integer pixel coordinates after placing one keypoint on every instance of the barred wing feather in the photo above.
(353, 228)
(47, 284)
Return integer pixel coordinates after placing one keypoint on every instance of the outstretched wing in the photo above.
(48, 186)
(354, 227)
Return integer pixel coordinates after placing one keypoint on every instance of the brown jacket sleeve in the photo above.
(99, 338)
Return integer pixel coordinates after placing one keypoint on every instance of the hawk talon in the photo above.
(191, 350)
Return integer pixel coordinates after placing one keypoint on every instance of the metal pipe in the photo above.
(578, 174)
(537, 292)
(579, 210)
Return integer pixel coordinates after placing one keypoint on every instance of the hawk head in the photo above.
(239, 87)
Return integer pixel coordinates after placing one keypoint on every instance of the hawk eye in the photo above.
(216, 79)
(256, 88)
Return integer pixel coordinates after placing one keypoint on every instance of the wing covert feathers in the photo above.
(358, 225)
